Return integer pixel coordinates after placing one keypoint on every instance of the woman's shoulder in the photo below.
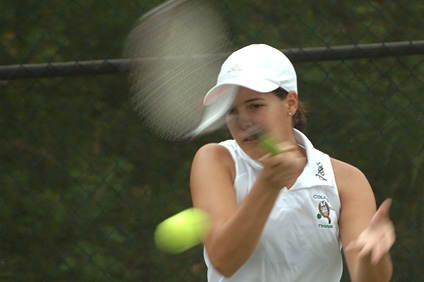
(350, 179)
(212, 163)
(345, 170)
(213, 150)
(213, 154)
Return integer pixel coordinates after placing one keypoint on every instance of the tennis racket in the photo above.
(176, 51)
(324, 210)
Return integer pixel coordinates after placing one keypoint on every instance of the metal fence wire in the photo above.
(83, 184)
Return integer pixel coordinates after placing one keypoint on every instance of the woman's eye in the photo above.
(230, 111)
(255, 106)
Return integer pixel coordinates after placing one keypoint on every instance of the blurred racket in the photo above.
(176, 52)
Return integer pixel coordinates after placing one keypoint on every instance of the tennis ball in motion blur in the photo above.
(182, 231)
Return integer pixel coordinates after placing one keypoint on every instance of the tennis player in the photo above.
(283, 217)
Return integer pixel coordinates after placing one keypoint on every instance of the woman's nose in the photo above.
(245, 121)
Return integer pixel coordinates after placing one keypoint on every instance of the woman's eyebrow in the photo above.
(253, 100)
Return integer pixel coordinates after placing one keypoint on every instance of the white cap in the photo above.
(259, 67)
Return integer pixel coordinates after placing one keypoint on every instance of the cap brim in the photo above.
(255, 84)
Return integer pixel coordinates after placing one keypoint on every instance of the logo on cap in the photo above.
(236, 67)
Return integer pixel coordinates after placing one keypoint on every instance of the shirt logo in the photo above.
(320, 174)
(324, 213)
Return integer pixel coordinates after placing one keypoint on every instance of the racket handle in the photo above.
(268, 144)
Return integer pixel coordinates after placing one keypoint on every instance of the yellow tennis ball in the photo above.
(182, 231)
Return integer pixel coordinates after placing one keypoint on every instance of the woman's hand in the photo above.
(283, 169)
(377, 239)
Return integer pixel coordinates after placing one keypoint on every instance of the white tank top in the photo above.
(300, 240)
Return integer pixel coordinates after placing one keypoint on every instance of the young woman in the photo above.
(282, 217)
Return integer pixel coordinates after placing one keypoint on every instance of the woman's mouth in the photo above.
(252, 137)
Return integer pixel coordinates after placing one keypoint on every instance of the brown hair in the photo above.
(299, 118)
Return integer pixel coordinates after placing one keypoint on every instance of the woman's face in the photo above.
(254, 112)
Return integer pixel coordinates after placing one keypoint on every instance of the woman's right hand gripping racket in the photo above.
(176, 51)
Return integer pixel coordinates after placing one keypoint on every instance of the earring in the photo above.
(290, 113)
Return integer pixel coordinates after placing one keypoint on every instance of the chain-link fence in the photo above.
(83, 184)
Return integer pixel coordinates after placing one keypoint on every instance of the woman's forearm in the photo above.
(232, 244)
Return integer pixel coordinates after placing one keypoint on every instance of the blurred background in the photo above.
(83, 184)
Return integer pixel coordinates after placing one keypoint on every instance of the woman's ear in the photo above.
(292, 102)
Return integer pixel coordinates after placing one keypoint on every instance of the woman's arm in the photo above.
(235, 230)
(367, 235)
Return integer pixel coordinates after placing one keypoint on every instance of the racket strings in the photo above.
(176, 50)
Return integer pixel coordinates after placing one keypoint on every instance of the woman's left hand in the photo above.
(377, 239)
